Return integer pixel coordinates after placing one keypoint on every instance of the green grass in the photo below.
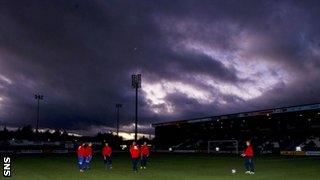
(166, 166)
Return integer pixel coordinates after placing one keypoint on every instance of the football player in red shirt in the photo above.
(106, 153)
(145, 152)
(248, 158)
(88, 155)
(81, 153)
(135, 154)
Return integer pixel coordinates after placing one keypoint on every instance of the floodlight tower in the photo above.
(136, 84)
(118, 106)
(38, 97)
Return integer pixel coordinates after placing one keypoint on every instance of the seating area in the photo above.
(268, 133)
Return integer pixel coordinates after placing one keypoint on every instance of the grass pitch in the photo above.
(165, 167)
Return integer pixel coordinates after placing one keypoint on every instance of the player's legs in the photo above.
(105, 161)
(80, 163)
(251, 165)
(88, 160)
(145, 161)
(109, 162)
(247, 164)
(135, 164)
(84, 163)
(142, 162)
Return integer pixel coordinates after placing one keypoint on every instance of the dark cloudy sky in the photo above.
(197, 58)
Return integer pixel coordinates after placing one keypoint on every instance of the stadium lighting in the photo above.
(118, 106)
(136, 84)
(298, 148)
(38, 97)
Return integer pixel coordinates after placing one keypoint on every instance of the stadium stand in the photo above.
(271, 130)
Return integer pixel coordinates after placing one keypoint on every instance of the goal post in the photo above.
(223, 146)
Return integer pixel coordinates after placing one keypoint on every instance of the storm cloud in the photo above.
(197, 58)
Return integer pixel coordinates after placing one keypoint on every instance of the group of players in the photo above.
(142, 153)
(84, 153)
(137, 153)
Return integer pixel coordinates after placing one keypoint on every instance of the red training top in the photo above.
(88, 151)
(106, 151)
(248, 152)
(81, 151)
(145, 150)
(135, 151)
